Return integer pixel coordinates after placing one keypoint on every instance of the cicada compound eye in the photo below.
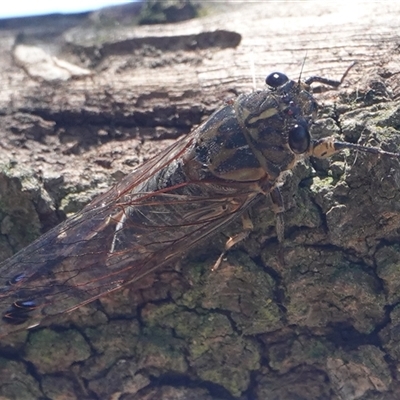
(299, 139)
(276, 79)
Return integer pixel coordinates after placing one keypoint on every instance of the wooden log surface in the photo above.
(325, 325)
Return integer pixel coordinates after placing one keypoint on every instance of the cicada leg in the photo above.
(247, 228)
(278, 208)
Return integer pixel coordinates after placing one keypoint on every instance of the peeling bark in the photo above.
(315, 318)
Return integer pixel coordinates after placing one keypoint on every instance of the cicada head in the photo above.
(256, 137)
(261, 135)
(276, 122)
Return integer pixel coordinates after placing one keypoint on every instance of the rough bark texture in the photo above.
(316, 319)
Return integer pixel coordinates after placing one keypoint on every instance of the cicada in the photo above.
(168, 205)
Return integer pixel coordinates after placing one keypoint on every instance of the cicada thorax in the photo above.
(221, 151)
(258, 136)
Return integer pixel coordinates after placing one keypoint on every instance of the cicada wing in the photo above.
(72, 264)
(117, 239)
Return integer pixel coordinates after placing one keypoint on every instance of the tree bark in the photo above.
(314, 318)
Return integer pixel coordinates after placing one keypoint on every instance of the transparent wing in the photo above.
(124, 234)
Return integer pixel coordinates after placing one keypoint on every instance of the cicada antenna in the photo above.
(330, 82)
(374, 150)
(302, 67)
